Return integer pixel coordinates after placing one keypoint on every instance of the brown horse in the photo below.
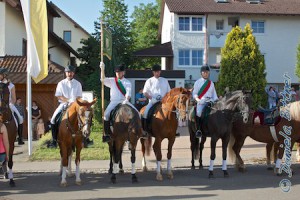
(127, 126)
(287, 132)
(8, 119)
(164, 125)
(75, 125)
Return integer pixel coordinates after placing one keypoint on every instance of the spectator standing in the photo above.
(40, 128)
(21, 110)
(4, 144)
(140, 99)
(36, 114)
(271, 97)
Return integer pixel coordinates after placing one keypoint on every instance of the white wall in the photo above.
(2, 30)
(14, 31)
(59, 55)
(167, 31)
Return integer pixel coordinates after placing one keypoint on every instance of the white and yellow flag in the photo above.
(35, 17)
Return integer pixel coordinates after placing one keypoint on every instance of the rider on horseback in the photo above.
(67, 91)
(204, 92)
(155, 89)
(12, 100)
(120, 92)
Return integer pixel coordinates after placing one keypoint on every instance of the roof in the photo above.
(17, 66)
(68, 17)
(161, 50)
(266, 7)
(63, 43)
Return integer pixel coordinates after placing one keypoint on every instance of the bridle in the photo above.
(180, 113)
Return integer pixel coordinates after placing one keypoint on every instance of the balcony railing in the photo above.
(217, 40)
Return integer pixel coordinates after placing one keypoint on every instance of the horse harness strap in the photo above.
(69, 126)
(273, 133)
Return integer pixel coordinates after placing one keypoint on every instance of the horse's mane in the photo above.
(173, 92)
(294, 109)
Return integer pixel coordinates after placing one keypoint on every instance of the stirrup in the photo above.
(198, 134)
(105, 138)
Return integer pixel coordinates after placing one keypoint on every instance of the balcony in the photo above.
(217, 40)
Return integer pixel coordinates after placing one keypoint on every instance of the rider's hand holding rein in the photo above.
(102, 68)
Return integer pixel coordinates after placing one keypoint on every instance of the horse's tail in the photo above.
(231, 154)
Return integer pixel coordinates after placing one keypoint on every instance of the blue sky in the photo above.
(85, 12)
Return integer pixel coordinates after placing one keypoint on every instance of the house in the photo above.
(13, 51)
(197, 31)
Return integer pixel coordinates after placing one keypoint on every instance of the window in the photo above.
(196, 24)
(184, 57)
(187, 56)
(258, 26)
(24, 47)
(67, 36)
(190, 23)
(197, 57)
(184, 23)
(220, 25)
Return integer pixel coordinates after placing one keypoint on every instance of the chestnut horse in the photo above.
(262, 133)
(218, 126)
(8, 119)
(75, 125)
(127, 126)
(164, 125)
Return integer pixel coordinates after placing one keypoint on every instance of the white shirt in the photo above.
(157, 86)
(115, 93)
(211, 92)
(70, 89)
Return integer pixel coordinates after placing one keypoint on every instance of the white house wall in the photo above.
(59, 55)
(2, 30)
(167, 31)
(14, 32)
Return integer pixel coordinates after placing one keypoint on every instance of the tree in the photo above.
(242, 65)
(298, 62)
(145, 25)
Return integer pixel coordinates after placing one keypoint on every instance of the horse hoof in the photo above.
(159, 177)
(226, 175)
(12, 183)
(70, 175)
(145, 169)
(78, 182)
(200, 166)
(110, 171)
(121, 171)
(64, 184)
(211, 175)
(134, 179)
(170, 175)
(113, 179)
(193, 167)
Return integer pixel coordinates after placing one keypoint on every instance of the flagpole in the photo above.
(29, 97)
(102, 75)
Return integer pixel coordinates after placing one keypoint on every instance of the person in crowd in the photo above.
(271, 97)
(140, 99)
(36, 113)
(4, 144)
(21, 110)
(40, 128)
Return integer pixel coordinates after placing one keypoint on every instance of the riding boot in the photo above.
(107, 131)
(20, 136)
(199, 124)
(145, 129)
(53, 144)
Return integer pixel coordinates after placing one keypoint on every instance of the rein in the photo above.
(80, 125)
(178, 111)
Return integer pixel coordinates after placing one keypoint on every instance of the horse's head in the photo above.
(85, 116)
(239, 100)
(181, 103)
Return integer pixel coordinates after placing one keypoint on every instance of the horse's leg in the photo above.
(225, 141)
(238, 144)
(4, 169)
(269, 148)
(77, 161)
(203, 140)
(144, 164)
(10, 165)
(279, 159)
(212, 157)
(110, 171)
(69, 169)
(157, 150)
(169, 156)
(121, 170)
(117, 146)
(64, 162)
(133, 170)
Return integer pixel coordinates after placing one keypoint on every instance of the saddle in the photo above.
(270, 116)
(59, 117)
(204, 116)
(150, 114)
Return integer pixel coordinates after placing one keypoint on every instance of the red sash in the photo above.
(120, 86)
(204, 89)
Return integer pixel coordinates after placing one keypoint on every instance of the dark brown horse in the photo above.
(127, 126)
(218, 126)
(164, 125)
(8, 120)
(286, 132)
(75, 125)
